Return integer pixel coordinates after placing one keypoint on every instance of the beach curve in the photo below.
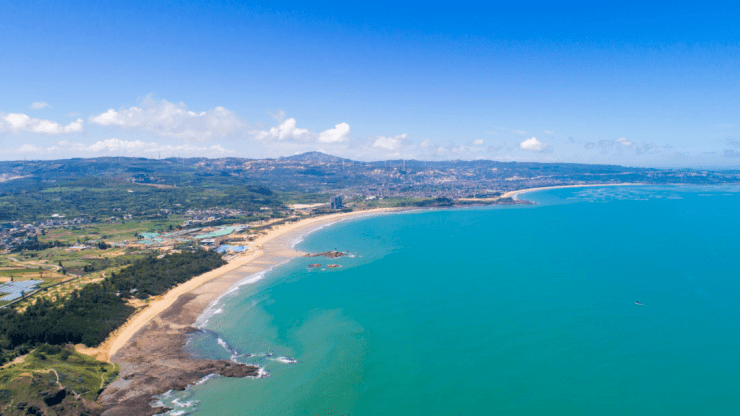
(149, 346)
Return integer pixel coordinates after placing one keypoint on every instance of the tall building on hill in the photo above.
(335, 202)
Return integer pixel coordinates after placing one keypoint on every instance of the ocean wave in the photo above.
(204, 379)
(300, 237)
(286, 360)
(225, 345)
(216, 307)
(189, 403)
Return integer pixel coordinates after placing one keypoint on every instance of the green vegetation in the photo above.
(51, 379)
(152, 276)
(33, 244)
(104, 199)
(108, 195)
(110, 231)
(86, 316)
(89, 314)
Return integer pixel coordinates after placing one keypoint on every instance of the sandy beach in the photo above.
(149, 347)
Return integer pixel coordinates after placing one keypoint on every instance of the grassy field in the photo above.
(45, 265)
(109, 232)
(53, 374)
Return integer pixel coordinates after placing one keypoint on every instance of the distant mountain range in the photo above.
(319, 172)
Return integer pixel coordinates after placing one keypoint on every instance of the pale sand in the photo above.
(515, 194)
(278, 248)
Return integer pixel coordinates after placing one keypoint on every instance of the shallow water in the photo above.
(511, 311)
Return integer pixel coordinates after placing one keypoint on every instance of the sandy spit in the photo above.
(515, 194)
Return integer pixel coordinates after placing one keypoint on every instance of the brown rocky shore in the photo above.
(154, 362)
(150, 348)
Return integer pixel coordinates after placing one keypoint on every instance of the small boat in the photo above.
(332, 266)
(638, 303)
(314, 265)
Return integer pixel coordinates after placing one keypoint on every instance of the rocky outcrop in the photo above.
(154, 362)
(329, 254)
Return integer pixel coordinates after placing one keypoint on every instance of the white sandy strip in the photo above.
(515, 194)
(123, 334)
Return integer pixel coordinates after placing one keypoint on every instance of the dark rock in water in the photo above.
(329, 254)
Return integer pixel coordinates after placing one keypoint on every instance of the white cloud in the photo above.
(117, 147)
(285, 131)
(478, 142)
(622, 145)
(288, 132)
(425, 144)
(534, 145)
(17, 123)
(391, 144)
(624, 142)
(167, 119)
(38, 105)
(520, 132)
(339, 134)
(549, 132)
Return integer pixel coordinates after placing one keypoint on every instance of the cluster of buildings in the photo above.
(206, 237)
(13, 234)
(204, 216)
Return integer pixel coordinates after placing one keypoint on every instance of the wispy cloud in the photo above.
(38, 105)
(17, 123)
(732, 153)
(278, 115)
(167, 119)
(117, 147)
(391, 144)
(622, 145)
(549, 132)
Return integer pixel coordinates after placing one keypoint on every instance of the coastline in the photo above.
(515, 194)
(149, 346)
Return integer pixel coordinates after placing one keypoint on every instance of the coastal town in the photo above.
(76, 235)
(289, 208)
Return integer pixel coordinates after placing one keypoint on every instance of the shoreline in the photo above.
(515, 194)
(149, 346)
(297, 229)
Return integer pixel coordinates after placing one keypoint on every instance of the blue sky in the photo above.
(625, 83)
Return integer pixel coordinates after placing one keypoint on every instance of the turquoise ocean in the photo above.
(524, 310)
